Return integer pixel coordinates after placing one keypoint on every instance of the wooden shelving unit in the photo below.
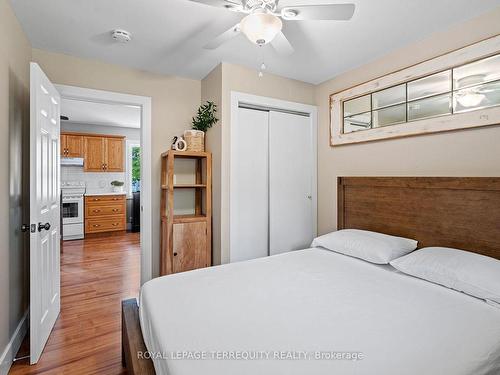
(186, 240)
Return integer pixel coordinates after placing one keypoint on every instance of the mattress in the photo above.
(315, 311)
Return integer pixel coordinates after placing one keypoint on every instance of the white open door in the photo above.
(45, 300)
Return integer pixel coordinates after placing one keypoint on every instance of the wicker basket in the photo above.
(195, 140)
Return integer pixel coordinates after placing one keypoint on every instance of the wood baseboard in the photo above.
(132, 341)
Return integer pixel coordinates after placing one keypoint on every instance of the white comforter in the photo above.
(288, 309)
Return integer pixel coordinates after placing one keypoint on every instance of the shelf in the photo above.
(185, 186)
(189, 186)
(189, 218)
(185, 154)
(189, 234)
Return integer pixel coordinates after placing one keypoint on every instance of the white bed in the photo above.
(316, 300)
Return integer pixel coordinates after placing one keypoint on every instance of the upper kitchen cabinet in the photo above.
(94, 154)
(103, 153)
(71, 145)
(114, 154)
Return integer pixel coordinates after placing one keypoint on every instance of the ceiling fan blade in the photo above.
(336, 12)
(281, 44)
(224, 37)
(227, 4)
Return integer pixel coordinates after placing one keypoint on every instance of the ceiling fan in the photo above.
(263, 21)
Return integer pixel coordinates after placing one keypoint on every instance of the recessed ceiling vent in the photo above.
(121, 36)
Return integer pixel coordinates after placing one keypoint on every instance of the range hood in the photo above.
(72, 161)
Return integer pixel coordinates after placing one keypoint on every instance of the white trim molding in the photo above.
(472, 119)
(10, 351)
(144, 103)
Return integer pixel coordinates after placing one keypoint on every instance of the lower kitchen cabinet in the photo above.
(105, 213)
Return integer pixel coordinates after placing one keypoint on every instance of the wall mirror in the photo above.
(453, 91)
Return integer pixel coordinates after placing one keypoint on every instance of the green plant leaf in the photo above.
(136, 164)
(205, 117)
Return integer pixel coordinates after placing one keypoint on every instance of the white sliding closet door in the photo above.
(291, 224)
(249, 186)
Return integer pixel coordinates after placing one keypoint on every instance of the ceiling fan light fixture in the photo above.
(260, 28)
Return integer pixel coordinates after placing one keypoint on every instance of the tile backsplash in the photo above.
(96, 182)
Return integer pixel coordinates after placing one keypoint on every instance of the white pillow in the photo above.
(371, 246)
(471, 273)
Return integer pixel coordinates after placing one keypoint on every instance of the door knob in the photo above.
(45, 226)
(25, 227)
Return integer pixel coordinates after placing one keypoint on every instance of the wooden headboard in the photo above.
(459, 212)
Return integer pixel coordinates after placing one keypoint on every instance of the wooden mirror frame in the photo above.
(472, 119)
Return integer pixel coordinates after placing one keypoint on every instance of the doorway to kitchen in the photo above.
(115, 131)
(104, 179)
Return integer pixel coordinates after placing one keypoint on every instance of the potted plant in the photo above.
(204, 120)
(117, 186)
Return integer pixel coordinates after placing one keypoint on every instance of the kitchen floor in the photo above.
(96, 275)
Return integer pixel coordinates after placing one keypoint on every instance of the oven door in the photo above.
(72, 209)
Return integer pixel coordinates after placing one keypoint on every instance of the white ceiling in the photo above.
(168, 35)
(101, 114)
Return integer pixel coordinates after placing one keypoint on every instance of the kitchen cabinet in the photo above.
(105, 213)
(93, 154)
(62, 140)
(71, 145)
(114, 154)
(103, 153)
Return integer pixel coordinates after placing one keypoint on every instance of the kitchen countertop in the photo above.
(93, 194)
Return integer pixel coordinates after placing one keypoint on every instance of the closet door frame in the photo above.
(237, 99)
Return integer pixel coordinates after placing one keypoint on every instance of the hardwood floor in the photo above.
(96, 274)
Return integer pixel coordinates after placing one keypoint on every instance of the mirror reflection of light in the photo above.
(470, 99)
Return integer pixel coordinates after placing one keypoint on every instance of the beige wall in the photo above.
(473, 152)
(174, 101)
(14, 127)
(211, 89)
(218, 85)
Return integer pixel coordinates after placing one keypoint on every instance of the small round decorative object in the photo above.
(180, 145)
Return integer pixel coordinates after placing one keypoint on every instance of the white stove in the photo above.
(72, 209)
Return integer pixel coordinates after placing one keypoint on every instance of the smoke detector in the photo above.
(121, 36)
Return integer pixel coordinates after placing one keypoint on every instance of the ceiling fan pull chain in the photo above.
(262, 65)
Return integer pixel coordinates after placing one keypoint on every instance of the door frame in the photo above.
(144, 102)
(238, 98)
